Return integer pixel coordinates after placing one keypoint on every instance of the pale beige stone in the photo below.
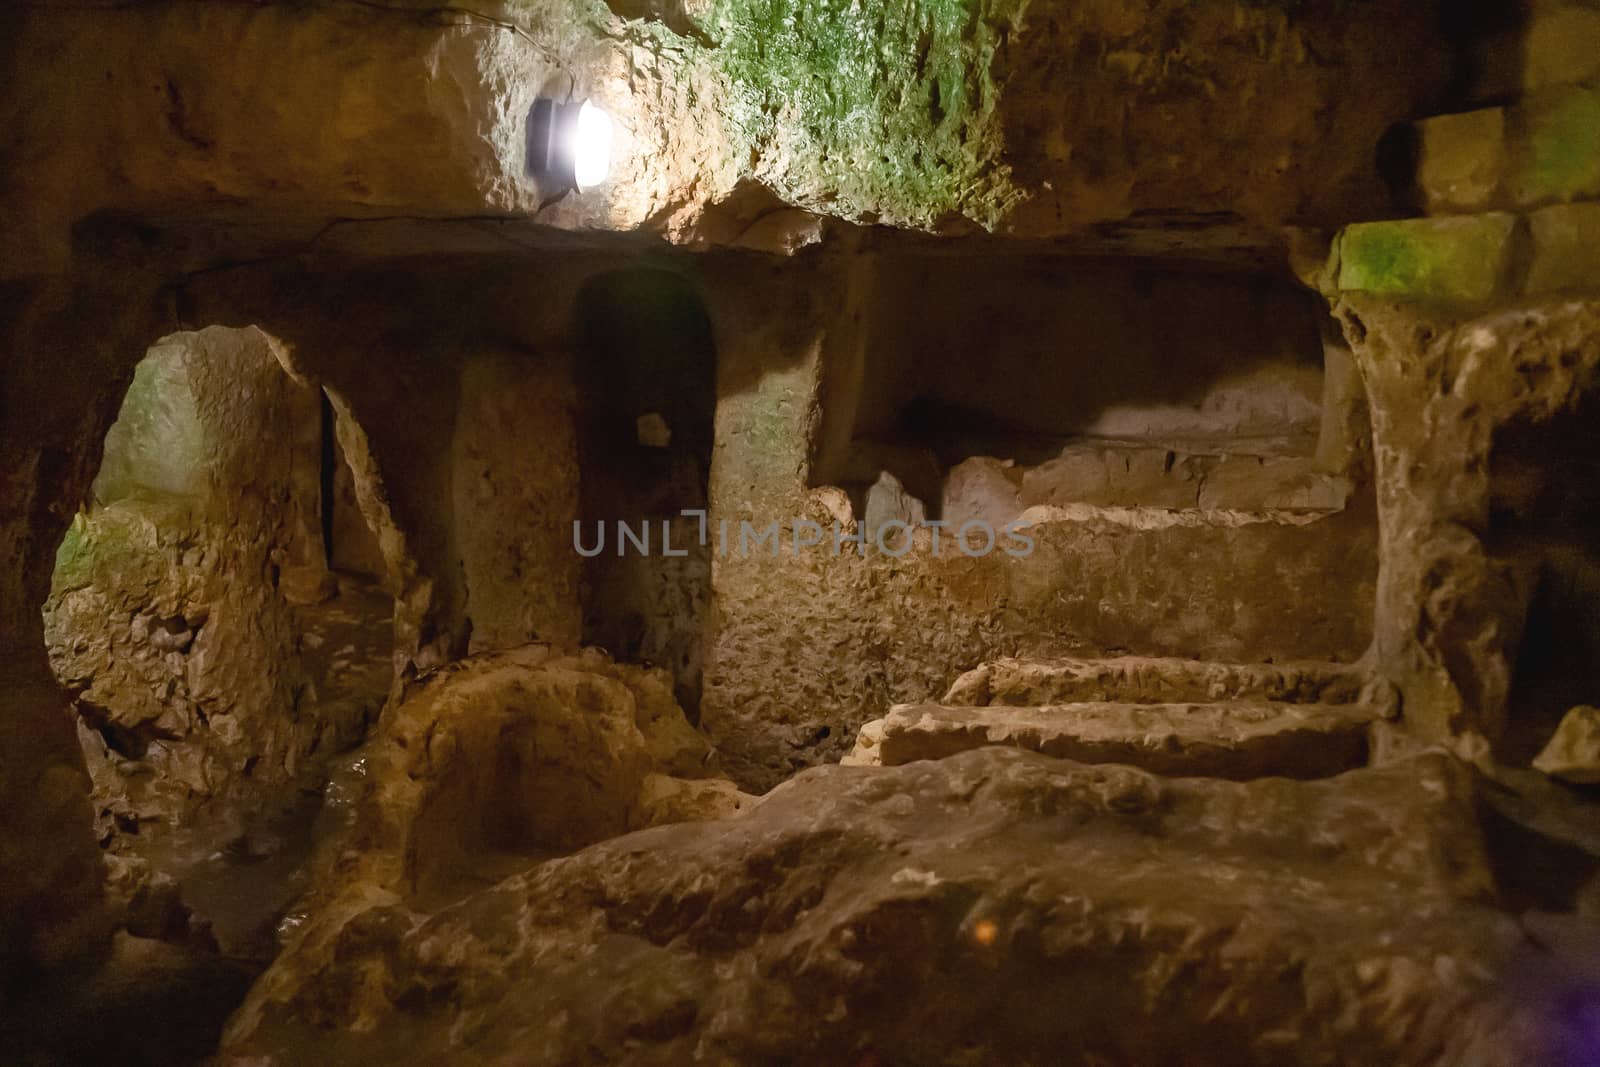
(1140, 679)
(888, 502)
(1566, 248)
(982, 489)
(1561, 45)
(1274, 483)
(1462, 160)
(514, 468)
(664, 799)
(1573, 754)
(652, 430)
(1230, 739)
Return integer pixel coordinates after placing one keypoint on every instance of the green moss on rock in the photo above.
(1560, 159)
(1459, 260)
(73, 562)
(884, 107)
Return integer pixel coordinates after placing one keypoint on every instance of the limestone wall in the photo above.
(515, 496)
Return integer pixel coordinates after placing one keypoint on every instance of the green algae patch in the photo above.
(1560, 158)
(1458, 260)
(74, 562)
(887, 108)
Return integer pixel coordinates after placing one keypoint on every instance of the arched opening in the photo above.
(220, 615)
(647, 396)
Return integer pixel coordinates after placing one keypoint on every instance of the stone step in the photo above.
(1146, 680)
(1234, 739)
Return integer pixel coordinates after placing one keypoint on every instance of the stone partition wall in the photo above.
(515, 498)
(804, 646)
(169, 619)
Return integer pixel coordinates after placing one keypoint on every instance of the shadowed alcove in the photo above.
(645, 372)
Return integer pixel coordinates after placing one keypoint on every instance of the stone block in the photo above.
(1556, 149)
(1461, 160)
(1231, 739)
(1076, 476)
(1566, 248)
(1287, 483)
(983, 489)
(1457, 260)
(1573, 754)
(1152, 680)
(1562, 46)
(1114, 476)
(889, 502)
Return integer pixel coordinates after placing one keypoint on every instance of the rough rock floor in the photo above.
(994, 907)
(213, 898)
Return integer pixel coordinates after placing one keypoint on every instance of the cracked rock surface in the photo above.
(994, 907)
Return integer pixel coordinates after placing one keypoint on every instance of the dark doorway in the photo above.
(647, 392)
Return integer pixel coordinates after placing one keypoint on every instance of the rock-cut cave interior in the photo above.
(885, 533)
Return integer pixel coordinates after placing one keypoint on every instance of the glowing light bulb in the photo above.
(591, 147)
(569, 145)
